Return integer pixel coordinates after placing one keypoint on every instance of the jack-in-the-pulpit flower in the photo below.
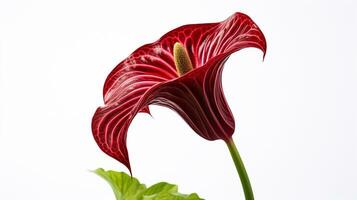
(182, 71)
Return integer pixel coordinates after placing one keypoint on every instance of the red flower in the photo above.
(149, 76)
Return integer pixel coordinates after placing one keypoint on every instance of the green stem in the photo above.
(247, 188)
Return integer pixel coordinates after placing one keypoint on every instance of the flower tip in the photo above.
(182, 59)
(177, 46)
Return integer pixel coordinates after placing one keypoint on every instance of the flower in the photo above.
(182, 71)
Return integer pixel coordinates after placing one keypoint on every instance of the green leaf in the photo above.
(126, 187)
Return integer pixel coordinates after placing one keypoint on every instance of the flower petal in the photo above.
(235, 33)
(198, 98)
(148, 76)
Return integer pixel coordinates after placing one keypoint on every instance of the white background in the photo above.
(296, 112)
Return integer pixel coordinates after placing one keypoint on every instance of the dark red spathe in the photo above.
(148, 76)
